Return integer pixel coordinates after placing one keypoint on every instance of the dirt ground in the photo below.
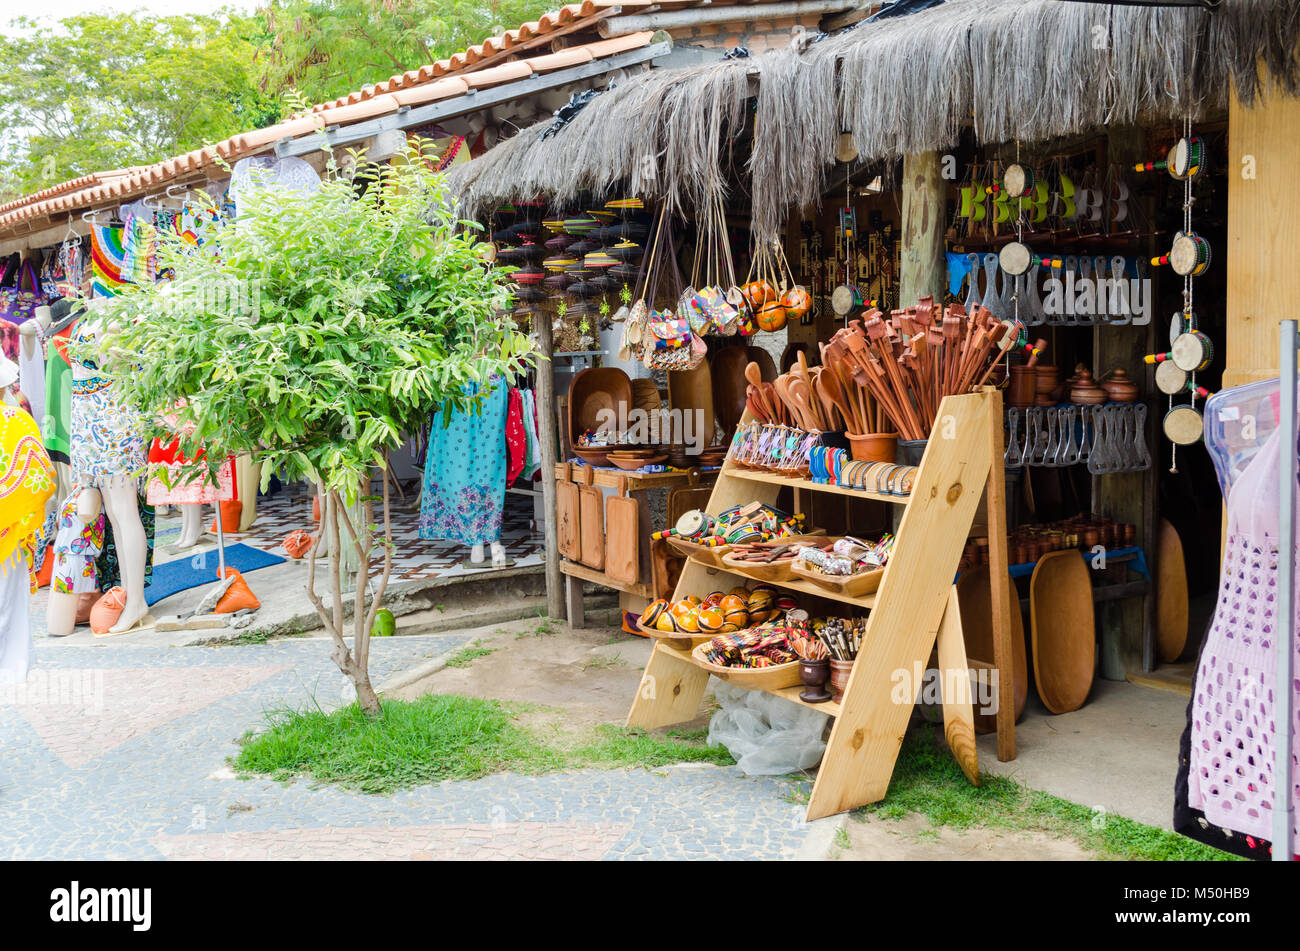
(912, 839)
(580, 678)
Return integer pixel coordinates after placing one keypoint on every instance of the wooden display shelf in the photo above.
(771, 478)
(830, 707)
(913, 613)
(577, 570)
(794, 584)
(636, 481)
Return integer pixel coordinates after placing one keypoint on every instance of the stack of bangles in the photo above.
(834, 467)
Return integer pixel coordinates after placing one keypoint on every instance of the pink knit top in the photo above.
(1232, 750)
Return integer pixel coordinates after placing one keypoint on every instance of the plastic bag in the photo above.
(766, 735)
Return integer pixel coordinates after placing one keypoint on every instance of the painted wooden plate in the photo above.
(1062, 630)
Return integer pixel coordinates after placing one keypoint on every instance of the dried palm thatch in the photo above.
(1030, 70)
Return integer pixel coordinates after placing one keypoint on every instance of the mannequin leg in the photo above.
(248, 475)
(498, 554)
(132, 548)
(191, 525)
(61, 614)
(476, 554)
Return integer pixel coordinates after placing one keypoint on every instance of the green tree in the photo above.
(328, 48)
(96, 92)
(324, 328)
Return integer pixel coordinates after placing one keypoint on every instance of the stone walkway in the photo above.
(119, 752)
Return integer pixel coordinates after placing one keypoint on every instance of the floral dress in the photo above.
(76, 546)
(464, 490)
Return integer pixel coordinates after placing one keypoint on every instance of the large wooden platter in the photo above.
(1064, 638)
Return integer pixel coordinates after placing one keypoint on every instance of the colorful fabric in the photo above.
(464, 488)
(106, 257)
(516, 441)
(9, 339)
(106, 434)
(26, 484)
(533, 454)
(56, 424)
(76, 546)
(139, 247)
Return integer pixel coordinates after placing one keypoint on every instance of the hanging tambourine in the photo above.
(1018, 181)
(1183, 425)
(1189, 255)
(1184, 160)
(847, 299)
(1015, 258)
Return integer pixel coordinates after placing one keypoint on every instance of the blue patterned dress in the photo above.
(464, 488)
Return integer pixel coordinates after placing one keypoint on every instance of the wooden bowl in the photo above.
(592, 390)
(850, 586)
(761, 678)
(635, 462)
(593, 457)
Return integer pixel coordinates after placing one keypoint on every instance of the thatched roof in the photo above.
(1030, 70)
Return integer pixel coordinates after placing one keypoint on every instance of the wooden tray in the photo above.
(1064, 639)
(566, 508)
(1171, 595)
(851, 586)
(773, 572)
(622, 536)
(681, 640)
(974, 596)
(706, 555)
(762, 678)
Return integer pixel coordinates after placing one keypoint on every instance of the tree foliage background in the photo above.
(102, 91)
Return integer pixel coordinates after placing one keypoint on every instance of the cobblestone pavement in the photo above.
(120, 753)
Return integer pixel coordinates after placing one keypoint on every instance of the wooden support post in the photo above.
(924, 268)
(546, 436)
(1000, 583)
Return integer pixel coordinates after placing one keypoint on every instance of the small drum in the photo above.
(1170, 378)
(1183, 425)
(1018, 182)
(694, 524)
(1192, 351)
(846, 300)
(1015, 258)
(1189, 255)
(1187, 158)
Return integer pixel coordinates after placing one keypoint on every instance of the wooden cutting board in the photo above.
(1064, 638)
(975, 597)
(566, 515)
(684, 498)
(591, 521)
(1171, 595)
(622, 536)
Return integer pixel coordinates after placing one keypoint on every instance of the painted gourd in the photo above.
(771, 317)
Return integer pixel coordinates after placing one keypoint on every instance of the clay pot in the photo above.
(1119, 388)
(872, 447)
(1085, 391)
(813, 674)
(840, 670)
(1024, 382)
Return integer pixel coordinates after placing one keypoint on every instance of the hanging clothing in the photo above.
(464, 489)
(31, 377)
(533, 455)
(106, 258)
(57, 421)
(515, 438)
(9, 339)
(1232, 734)
(169, 485)
(107, 434)
(26, 484)
(266, 171)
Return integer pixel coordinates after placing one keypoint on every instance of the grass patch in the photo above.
(619, 746)
(545, 627)
(842, 837)
(467, 655)
(927, 780)
(419, 741)
(604, 662)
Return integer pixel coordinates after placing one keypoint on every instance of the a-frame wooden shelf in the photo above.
(914, 609)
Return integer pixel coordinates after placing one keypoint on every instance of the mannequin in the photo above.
(464, 488)
(108, 453)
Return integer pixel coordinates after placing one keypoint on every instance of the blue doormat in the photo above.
(201, 568)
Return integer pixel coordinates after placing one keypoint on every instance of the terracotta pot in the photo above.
(840, 670)
(813, 674)
(872, 447)
(1119, 388)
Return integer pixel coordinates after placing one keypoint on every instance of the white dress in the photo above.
(15, 625)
